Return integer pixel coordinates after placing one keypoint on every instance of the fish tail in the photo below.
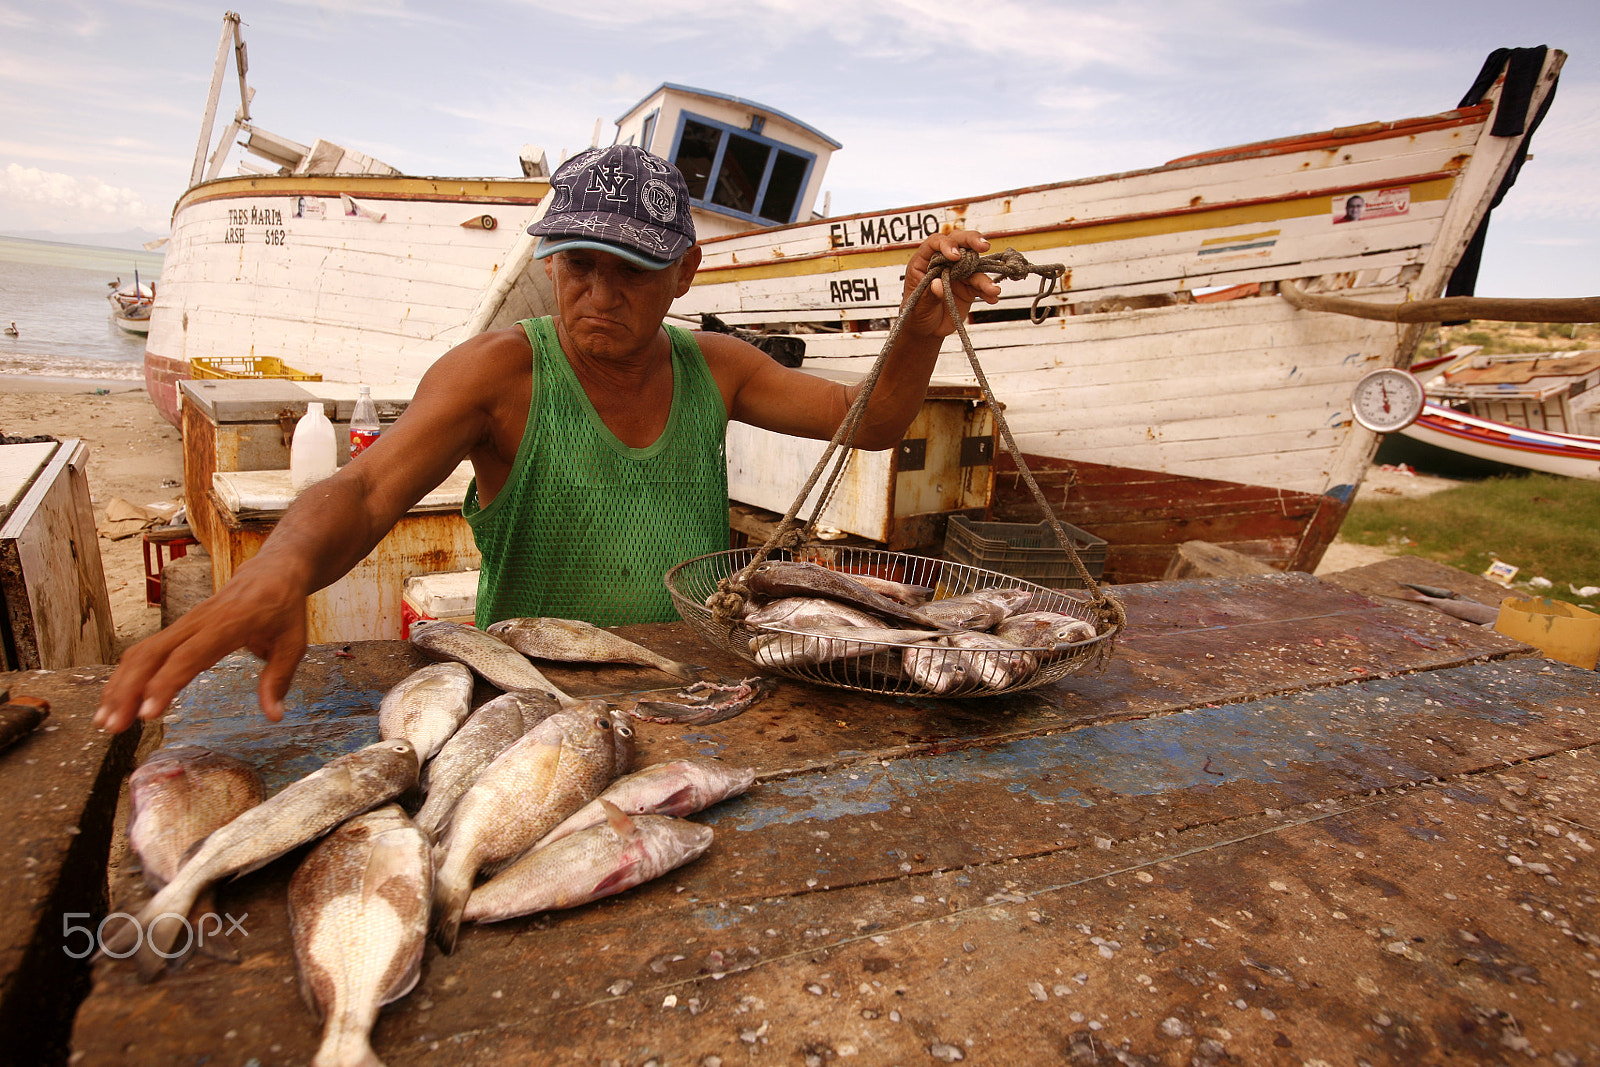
(345, 1047)
(163, 920)
(450, 893)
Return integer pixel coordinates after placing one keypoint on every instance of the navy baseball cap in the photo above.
(621, 200)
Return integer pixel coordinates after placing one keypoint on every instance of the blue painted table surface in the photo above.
(1288, 824)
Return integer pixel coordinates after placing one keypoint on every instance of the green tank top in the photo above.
(585, 526)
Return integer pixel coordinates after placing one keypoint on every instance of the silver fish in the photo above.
(1044, 629)
(992, 662)
(554, 769)
(937, 667)
(488, 732)
(574, 641)
(588, 865)
(980, 609)
(825, 644)
(778, 578)
(178, 796)
(909, 595)
(427, 707)
(358, 913)
(680, 787)
(489, 657)
(805, 612)
(302, 811)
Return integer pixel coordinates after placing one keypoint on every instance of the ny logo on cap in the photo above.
(611, 179)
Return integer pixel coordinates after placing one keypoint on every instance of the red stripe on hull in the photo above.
(161, 377)
(1145, 515)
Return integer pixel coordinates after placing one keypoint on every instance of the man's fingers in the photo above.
(282, 659)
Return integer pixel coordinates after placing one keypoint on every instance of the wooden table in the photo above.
(1288, 825)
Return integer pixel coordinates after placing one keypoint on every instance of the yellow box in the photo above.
(247, 367)
(1560, 630)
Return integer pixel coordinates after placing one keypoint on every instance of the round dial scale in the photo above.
(1387, 400)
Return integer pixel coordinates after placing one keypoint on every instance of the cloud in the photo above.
(50, 197)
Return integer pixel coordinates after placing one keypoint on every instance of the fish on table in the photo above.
(302, 811)
(427, 707)
(1044, 629)
(489, 657)
(489, 731)
(590, 864)
(980, 609)
(557, 767)
(178, 796)
(358, 916)
(575, 641)
(676, 788)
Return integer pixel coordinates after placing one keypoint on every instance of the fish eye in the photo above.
(624, 730)
(604, 724)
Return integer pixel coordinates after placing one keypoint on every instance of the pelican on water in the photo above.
(11, 331)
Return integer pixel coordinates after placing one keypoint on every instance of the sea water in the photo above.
(56, 295)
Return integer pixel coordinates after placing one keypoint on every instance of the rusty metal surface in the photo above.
(1263, 860)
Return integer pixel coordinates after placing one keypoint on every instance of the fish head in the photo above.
(391, 761)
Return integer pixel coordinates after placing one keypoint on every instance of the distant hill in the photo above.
(130, 239)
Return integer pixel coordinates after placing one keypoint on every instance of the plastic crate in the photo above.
(247, 367)
(1023, 550)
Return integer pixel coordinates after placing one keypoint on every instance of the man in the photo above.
(581, 429)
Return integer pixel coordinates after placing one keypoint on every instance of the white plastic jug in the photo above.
(312, 454)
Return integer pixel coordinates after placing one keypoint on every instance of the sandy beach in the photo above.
(137, 456)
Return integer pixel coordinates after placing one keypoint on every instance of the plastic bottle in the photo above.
(312, 455)
(364, 426)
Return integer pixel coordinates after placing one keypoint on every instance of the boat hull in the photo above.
(1570, 455)
(357, 277)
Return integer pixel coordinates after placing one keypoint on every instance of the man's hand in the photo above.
(257, 610)
(931, 317)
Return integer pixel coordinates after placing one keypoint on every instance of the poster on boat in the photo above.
(1371, 204)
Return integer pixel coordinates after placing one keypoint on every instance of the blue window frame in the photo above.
(738, 172)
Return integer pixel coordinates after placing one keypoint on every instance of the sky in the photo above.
(100, 104)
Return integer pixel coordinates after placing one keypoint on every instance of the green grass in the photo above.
(1546, 525)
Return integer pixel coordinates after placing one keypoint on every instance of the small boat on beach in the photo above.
(1572, 455)
(1538, 412)
(1178, 386)
(131, 305)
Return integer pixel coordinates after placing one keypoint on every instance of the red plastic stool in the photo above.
(169, 543)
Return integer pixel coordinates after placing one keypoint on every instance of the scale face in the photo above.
(1387, 400)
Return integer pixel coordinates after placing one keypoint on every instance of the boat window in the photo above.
(738, 172)
(649, 129)
(783, 188)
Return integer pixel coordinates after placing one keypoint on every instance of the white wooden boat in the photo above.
(131, 305)
(1171, 394)
(324, 258)
(1572, 455)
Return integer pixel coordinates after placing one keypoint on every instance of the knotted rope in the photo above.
(1012, 265)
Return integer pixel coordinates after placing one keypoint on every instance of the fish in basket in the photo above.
(888, 622)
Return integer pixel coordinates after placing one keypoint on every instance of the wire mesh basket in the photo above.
(891, 668)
